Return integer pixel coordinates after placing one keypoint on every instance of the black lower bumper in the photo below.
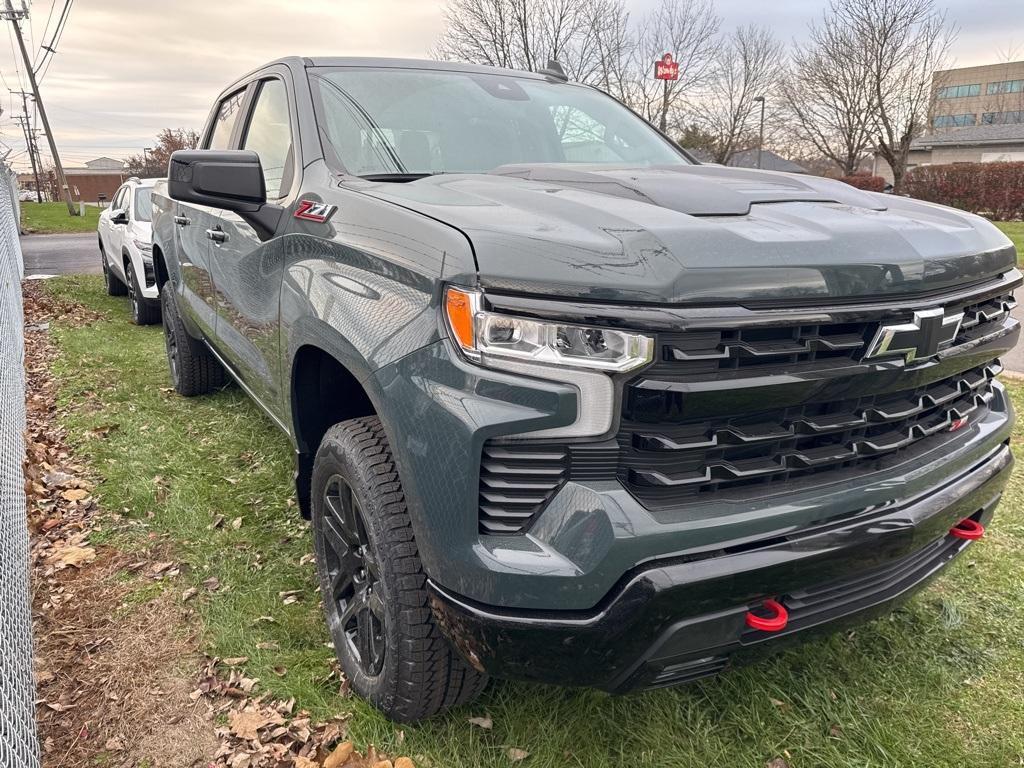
(682, 619)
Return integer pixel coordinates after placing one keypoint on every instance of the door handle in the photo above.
(217, 235)
(182, 221)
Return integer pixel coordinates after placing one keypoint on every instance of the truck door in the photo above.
(248, 272)
(193, 221)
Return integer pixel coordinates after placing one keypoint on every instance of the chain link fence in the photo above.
(19, 747)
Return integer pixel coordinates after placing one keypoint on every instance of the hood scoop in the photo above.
(696, 190)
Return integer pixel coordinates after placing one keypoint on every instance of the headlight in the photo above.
(486, 336)
(143, 245)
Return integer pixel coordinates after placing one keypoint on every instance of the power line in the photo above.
(14, 16)
(39, 53)
(51, 49)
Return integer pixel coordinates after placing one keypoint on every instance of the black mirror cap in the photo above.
(230, 179)
(120, 217)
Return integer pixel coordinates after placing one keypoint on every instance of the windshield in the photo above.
(414, 121)
(143, 203)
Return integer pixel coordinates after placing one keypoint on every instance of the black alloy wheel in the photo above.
(355, 605)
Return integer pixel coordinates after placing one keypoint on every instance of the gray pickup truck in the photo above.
(567, 405)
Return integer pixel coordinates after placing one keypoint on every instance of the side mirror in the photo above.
(231, 180)
(119, 217)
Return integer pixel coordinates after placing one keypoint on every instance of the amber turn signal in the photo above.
(459, 310)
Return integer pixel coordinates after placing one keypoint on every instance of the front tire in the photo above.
(111, 281)
(194, 369)
(144, 311)
(372, 581)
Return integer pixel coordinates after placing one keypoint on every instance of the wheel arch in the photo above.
(159, 267)
(323, 392)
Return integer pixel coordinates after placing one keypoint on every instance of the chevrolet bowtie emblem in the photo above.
(924, 336)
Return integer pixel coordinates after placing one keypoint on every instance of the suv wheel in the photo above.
(144, 311)
(194, 369)
(112, 282)
(372, 581)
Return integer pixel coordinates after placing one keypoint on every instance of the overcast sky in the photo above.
(127, 68)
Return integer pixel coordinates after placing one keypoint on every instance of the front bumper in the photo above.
(676, 620)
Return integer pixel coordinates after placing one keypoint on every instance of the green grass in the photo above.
(938, 683)
(1015, 231)
(52, 218)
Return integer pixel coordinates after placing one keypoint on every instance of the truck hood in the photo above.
(705, 234)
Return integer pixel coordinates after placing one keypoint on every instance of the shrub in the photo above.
(995, 190)
(864, 180)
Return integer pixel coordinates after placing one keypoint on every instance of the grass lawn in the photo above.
(938, 683)
(1015, 231)
(52, 218)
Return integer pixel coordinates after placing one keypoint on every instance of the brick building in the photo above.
(97, 180)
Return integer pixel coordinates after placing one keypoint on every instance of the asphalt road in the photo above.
(78, 254)
(75, 254)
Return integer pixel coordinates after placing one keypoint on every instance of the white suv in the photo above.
(126, 249)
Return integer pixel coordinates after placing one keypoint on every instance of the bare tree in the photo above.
(829, 95)
(594, 41)
(748, 64)
(900, 43)
(587, 37)
(689, 30)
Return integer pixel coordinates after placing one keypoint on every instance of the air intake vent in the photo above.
(517, 482)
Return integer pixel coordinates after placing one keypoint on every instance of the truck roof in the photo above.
(383, 62)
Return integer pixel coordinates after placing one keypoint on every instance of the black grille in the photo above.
(672, 462)
(795, 346)
(516, 482)
(744, 411)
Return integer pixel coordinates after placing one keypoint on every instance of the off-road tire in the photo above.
(421, 674)
(194, 369)
(144, 311)
(112, 282)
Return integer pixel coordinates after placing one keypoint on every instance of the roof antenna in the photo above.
(554, 70)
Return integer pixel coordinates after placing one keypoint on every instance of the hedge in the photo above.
(864, 180)
(995, 190)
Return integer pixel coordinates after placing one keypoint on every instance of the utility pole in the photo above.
(23, 121)
(14, 16)
(30, 143)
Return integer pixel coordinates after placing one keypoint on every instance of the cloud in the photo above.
(127, 68)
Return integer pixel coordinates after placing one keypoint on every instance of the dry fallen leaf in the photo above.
(305, 762)
(188, 594)
(339, 756)
(777, 762)
(234, 661)
(515, 754)
(74, 556)
(75, 494)
(246, 724)
(404, 762)
(114, 745)
(383, 764)
(484, 722)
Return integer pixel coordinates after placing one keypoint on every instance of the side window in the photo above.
(269, 134)
(224, 124)
(117, 204)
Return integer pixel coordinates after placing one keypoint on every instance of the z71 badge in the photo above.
(310, 210)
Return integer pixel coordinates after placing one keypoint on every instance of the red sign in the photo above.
(666, 68)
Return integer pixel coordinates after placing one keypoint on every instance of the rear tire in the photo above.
(194, 369)
(144, 311)
(112, 282)
(372, 581)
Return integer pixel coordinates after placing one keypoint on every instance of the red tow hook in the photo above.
(774, 623)
(968, 529)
